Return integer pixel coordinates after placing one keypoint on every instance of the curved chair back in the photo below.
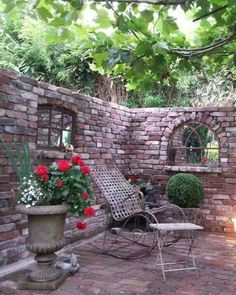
(123, 200)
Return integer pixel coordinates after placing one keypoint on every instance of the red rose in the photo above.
(63, 165)
(85, 196)
(75, 160)
(85, 170)
(59, 183)
(89, 212)
(44, 177)
(81, 225)
(81, 163)
(41, 170)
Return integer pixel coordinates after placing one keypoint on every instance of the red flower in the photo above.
(75, 160)
(81, 163)
(89, 212)
(44, 177)
(59, 183)
(85, 196)
(63, 165)
(85, 170)
(41, 170)
(205, 160)
(81, 225)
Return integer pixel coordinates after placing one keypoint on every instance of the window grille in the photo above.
(55, 126)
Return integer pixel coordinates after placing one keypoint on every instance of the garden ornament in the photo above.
(68, 148)
(71, 266)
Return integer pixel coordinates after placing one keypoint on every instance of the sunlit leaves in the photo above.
(117, 56)
(144, 48)
(44, 13)
(9, 6)
(122, 6)
(147, 15)
(160, 47)
(220, 2)
(121, 24)
(100, 58)
(134, 41)
(103, 19)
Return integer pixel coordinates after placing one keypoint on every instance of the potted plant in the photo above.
(46, 195)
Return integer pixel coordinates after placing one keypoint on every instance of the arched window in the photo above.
(55, 126)
(194, 144)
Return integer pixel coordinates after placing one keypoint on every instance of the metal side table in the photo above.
(162, 231)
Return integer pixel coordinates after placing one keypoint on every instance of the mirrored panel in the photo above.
(194, 144)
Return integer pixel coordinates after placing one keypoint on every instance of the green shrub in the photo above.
(185, 190)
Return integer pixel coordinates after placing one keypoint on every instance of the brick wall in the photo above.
(151, 130)
(136, 140)
(101, 136)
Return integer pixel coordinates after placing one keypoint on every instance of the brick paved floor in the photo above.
(99, 274)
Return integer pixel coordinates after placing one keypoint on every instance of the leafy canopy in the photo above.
(140, 42)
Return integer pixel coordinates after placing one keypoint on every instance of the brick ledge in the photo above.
(194, 169)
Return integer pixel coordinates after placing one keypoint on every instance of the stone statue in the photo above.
(70, 266)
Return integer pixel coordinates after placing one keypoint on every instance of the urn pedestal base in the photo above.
(27, 284)
(46, 236)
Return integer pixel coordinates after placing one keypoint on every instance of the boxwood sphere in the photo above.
(185, 190)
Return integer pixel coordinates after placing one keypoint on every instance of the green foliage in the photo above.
(141, 44)
(19, 158)
(185, 190)
(151, 101)
(163, 95)
(187, 84)
(217, 90)
(26, 48)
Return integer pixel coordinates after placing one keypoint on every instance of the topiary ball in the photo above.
(185, 190)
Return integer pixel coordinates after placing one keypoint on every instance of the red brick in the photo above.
(8, 89)
(4, 80)
(8, 235)
(8, 73)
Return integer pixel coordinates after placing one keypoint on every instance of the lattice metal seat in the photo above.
(127, 210)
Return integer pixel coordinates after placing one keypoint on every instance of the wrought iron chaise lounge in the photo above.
(134, 237)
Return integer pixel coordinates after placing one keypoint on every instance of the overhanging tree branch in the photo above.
(155, 2)
(210, 13)
(186, 52)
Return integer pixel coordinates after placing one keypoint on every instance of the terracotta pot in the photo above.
(46, 235)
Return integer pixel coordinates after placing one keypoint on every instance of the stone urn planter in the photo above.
(46, 236)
